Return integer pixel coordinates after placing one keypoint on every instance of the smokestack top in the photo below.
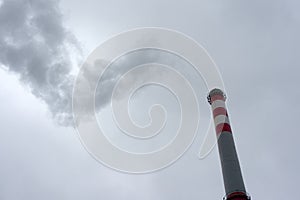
(216, 94)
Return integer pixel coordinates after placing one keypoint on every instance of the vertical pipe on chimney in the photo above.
(232, 176)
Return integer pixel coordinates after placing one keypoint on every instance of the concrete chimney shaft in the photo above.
(232, 176)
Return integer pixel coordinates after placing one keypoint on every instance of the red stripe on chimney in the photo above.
(223, 127)
(220, 111)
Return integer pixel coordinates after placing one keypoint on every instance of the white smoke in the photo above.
(36, 45)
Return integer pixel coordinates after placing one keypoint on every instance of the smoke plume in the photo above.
(37, 47)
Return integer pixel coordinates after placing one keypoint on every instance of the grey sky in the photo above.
(255, 44)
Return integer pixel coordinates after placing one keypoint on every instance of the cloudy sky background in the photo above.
(255, 45)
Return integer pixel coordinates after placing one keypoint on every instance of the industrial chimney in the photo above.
(232, 176)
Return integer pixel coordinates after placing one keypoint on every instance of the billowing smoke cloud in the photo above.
(35, 44)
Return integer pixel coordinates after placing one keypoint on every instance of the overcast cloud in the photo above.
(255, 44)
